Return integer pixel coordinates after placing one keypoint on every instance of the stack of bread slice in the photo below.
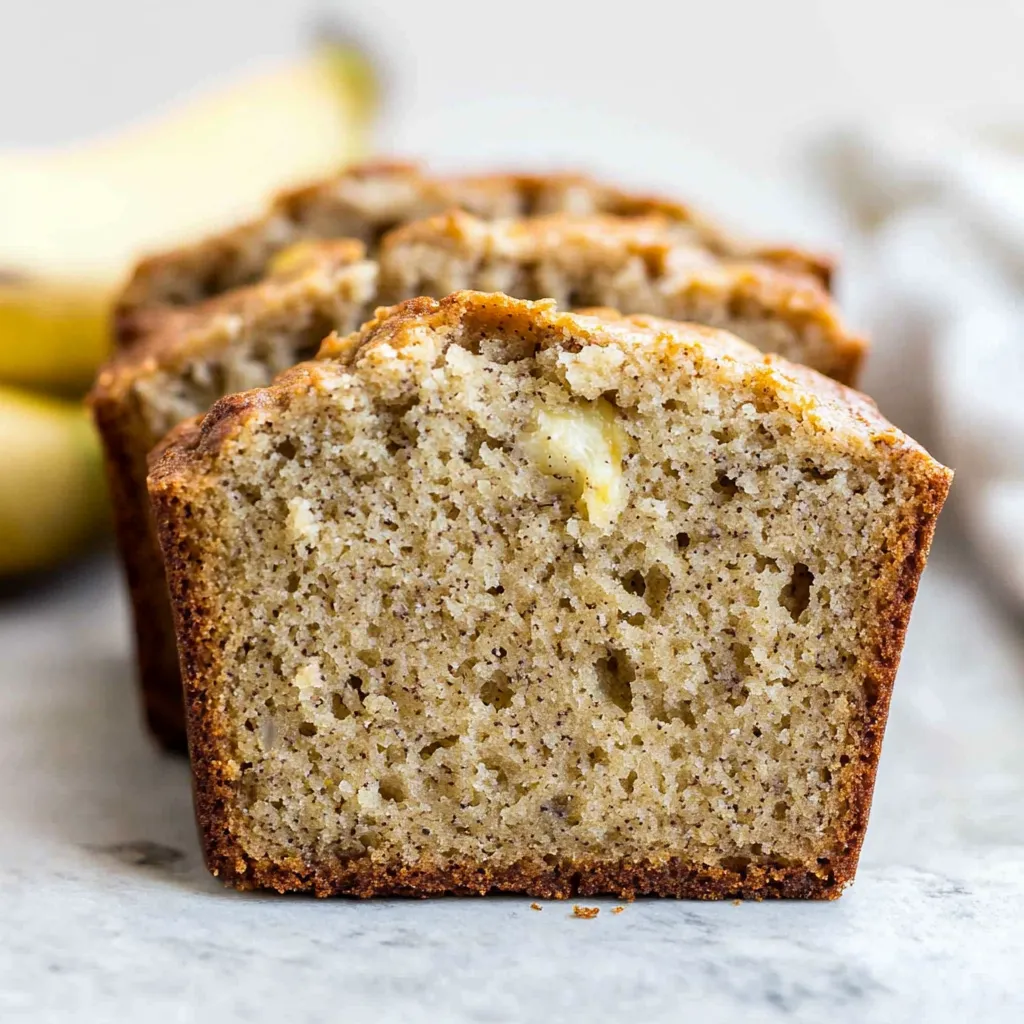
(565, 561)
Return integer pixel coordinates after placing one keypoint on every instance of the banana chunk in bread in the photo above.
(498, 597)
(366, 201)
(185, 359)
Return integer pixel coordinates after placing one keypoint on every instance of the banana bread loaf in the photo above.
(496, 597)
(186, 359)
(365, 202)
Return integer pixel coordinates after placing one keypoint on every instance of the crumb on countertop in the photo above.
(585, 912)
(736, 903)
(536, 906)
(618, 910)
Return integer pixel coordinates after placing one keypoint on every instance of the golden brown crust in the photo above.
(120, 426)
(647, 235)
(170, 336)
(909, 543)
(194, 611)
(364, 202)
(540, 324)
(467, 315)
(518, 194)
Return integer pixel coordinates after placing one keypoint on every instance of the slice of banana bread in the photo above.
(631, 264)
(187, 359)
(495, 597)
(366, 201)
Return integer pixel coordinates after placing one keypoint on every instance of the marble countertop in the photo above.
(106, 913)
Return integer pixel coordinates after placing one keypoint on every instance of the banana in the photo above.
(51, 334)
(52, 491)
(74, 221)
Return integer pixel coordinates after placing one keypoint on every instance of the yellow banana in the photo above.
(52, 334)
(52, 491)
(74, 221)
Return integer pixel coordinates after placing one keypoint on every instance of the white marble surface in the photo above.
(106, 913)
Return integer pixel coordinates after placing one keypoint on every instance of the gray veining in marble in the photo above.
(106, 913)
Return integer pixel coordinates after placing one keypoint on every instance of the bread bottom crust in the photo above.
(672, 877)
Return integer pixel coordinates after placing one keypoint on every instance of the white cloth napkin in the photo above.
(936, 277)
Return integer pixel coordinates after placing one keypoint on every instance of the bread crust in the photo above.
(365, 201)
(191, 452)
(155, 646)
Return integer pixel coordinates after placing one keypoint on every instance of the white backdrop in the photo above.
(742, 79)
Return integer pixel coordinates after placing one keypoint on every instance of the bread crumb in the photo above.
(536, 906)
(736, 903)
(585, 912)
(618, 910)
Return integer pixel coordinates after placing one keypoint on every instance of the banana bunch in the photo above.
(72, 223)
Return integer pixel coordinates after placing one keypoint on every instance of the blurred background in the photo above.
(745, 81)
(885, 131)
(888, 131)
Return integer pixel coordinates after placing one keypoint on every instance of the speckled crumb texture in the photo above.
(496, 597)
(184, 358)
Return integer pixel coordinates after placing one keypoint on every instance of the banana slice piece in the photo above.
(581, 447)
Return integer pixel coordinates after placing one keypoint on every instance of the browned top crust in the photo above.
(421, 328)
(364, 202)
(648, 235)
(170, 337)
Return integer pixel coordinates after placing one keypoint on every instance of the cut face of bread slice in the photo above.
(634, 265)
(504, 598)
(365, 202)
(187, 359)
